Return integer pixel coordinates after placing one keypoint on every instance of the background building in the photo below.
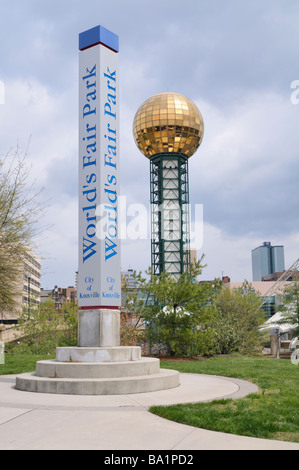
(60, 295)
(27, 288)
(269, 297)
(267, 260)
(128, 278)
(31, 279)
(193, 255)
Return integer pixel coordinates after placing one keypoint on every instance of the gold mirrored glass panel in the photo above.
(168, 122)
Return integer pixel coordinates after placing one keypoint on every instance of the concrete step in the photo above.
(96, 370)
(163, 380)
(96, 354)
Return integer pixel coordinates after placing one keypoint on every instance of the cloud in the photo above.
(244, 171)
(229, 255)
(236, 60)
(33, 112)
(34, 116)
(58, 244)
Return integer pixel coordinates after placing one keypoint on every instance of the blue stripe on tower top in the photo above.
(98, 35)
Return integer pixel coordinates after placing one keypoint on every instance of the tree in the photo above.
(173, 308)
(237, 319)
(290, 307)
(20, 209)
(45, 328)
(131, 323)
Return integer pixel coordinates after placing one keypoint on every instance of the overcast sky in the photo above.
(235, 59)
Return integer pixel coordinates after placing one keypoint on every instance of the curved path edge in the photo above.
(34, 421)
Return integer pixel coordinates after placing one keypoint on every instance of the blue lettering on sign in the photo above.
(88, 248)
(89, 163)
(110, 248)
(89, 296)
(109, 295)
(89, 190)
(110, 161)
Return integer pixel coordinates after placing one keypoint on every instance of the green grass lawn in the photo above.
(19, 363)
(273, 413)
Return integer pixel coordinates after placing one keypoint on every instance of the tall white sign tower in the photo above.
(99, 271)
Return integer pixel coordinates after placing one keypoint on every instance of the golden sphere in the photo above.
(166, 123)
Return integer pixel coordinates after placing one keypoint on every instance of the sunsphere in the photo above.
(168, 123)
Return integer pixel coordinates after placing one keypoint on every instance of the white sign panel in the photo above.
(99, 272)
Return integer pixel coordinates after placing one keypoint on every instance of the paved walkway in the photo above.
(37, 421)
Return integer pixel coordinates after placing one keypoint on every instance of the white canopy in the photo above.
(272, 324)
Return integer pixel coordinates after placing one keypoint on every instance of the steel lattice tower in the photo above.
(170, 213)
(168, 129)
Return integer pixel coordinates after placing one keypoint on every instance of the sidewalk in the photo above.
(37, 421)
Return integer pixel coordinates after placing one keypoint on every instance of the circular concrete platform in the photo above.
(163, 380)
(98, 371)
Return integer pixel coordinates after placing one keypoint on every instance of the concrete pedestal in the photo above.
(98, 371)
(98, 365)
(98, 328)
